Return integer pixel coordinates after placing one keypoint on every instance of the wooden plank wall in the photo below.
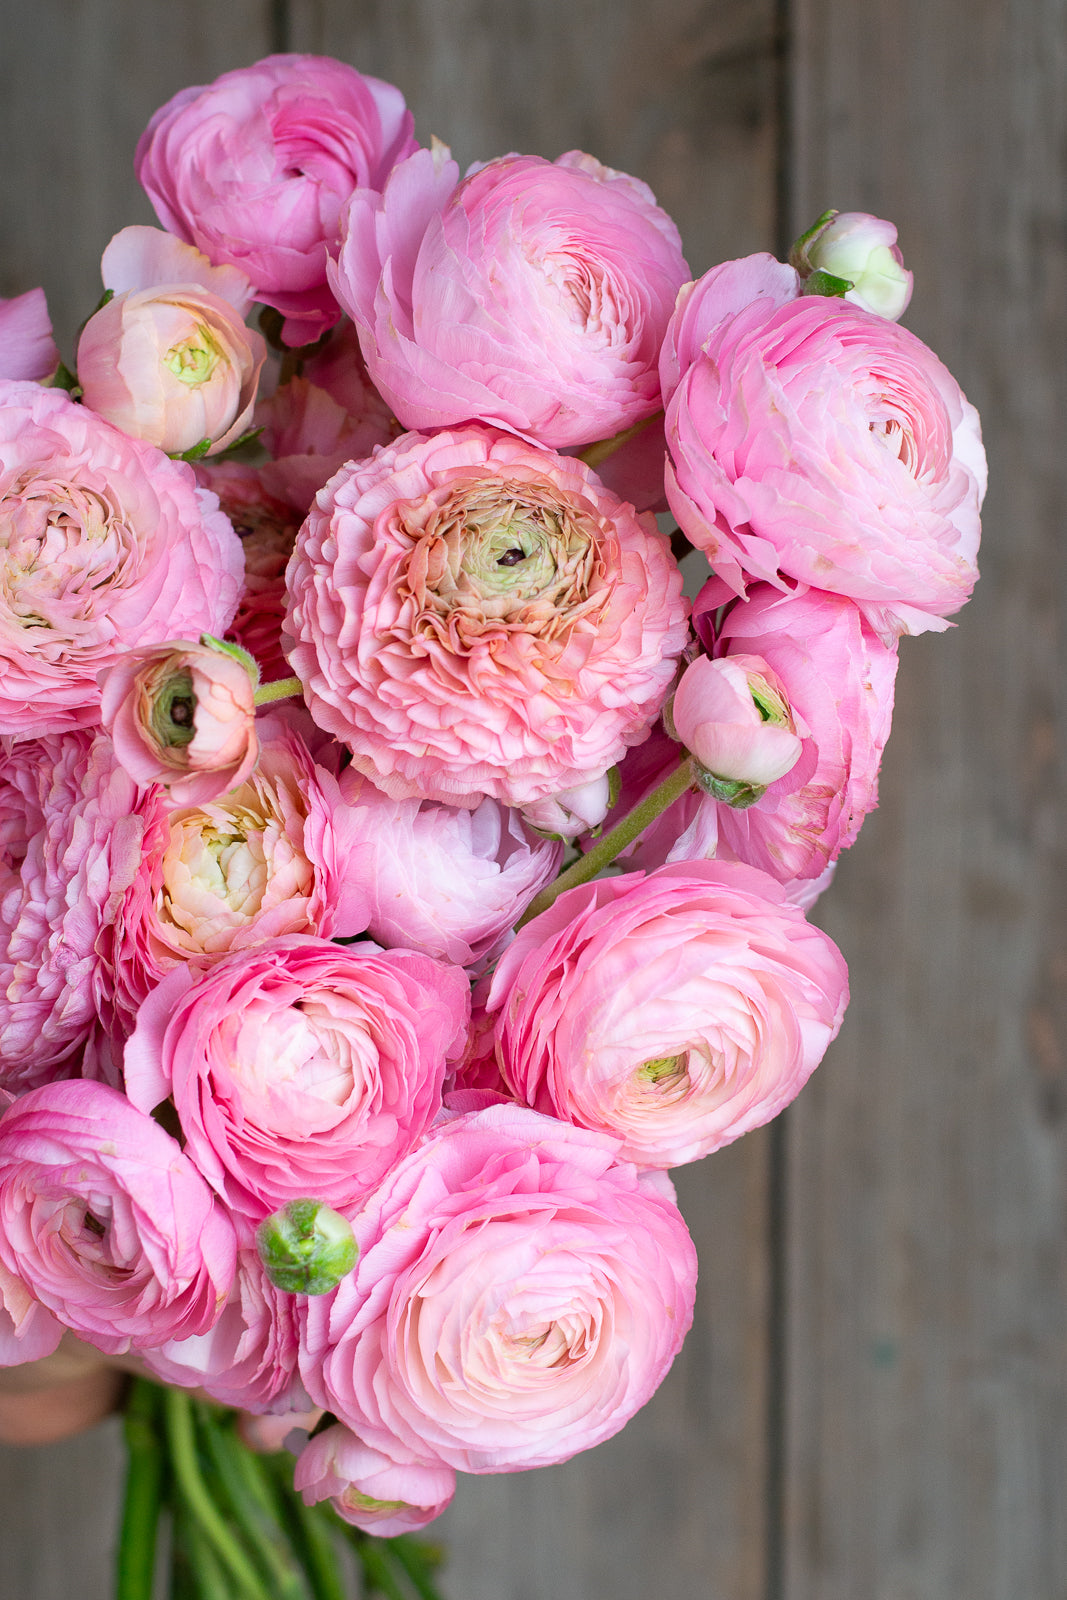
(872, 1402)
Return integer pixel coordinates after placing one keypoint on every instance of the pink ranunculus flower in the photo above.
(313, 424)
(813, 441)
(168, 359)
(267, 529)
(255, 167)
(534, 295)
(70, 845)
(28, 1331)
(445, 880)
(256, 864)
(183, 714)
(839, 678)
(734, 716)
(248, 1359)
(384, 1494)
(519, 1294)
(27, 348)
(300, 1068)
(675, 1011)
(107, 545)
(473, 615)
(173, 365)
(106, 1222)
(571, 811)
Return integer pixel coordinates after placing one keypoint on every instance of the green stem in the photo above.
(310, 1529)
(280, 689)
(241, 1479)
(178, 1410)
(377, 1568)
(418, 1561)
(595, 453)
(625, 832)
(143, 1499)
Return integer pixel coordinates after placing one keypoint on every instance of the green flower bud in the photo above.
(306, 1248)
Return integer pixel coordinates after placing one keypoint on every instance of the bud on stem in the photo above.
(306, 1248)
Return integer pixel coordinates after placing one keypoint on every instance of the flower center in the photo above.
(193, 360)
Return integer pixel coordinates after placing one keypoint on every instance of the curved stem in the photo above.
(625, 832)
(200, 1506)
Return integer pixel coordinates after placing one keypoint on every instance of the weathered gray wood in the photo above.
(683, 95)
(78, 83)
(927, 1404)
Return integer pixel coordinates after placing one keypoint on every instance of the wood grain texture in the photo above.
(926, 1399)
(79, 80)
(682, 95)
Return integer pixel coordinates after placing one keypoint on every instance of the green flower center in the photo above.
(174, 712)
(194, 359)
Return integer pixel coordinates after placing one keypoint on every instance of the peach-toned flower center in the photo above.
(493, 553)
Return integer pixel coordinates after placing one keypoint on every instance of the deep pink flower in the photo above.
(267, 528)
(255, 167)
(814, 441)
(300, 1068)
(534, 295)
(517, 1298)
(675, 1011)
(70, 846)
(107, 545)
(106, 1222)
(473, 615)
(313, 424)
(384, 1494)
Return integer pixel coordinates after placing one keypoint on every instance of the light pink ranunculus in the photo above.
(518, 1296)
(106, 1222)
(107, 545)
(300, 1068)
(675, 1011)
(27, 348)
(182, 714)
(70, 845)
(255, 167)
(448, 881)
(814, 441)
(534, 295)
(571, 812)
(256, 864)
(839, 678)
(473, 615)
(384, 1494)
(168, 359)
(734, 716)
(173, 365)
(248, 1359)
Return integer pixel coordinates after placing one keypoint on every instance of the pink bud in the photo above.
(183, 715)
(734, 717)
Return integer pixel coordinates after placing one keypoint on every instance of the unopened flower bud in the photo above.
(306, 1248)
(861, 252)
(183, 714)
(734, 717)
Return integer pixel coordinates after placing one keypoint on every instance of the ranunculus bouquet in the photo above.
(399, 874)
